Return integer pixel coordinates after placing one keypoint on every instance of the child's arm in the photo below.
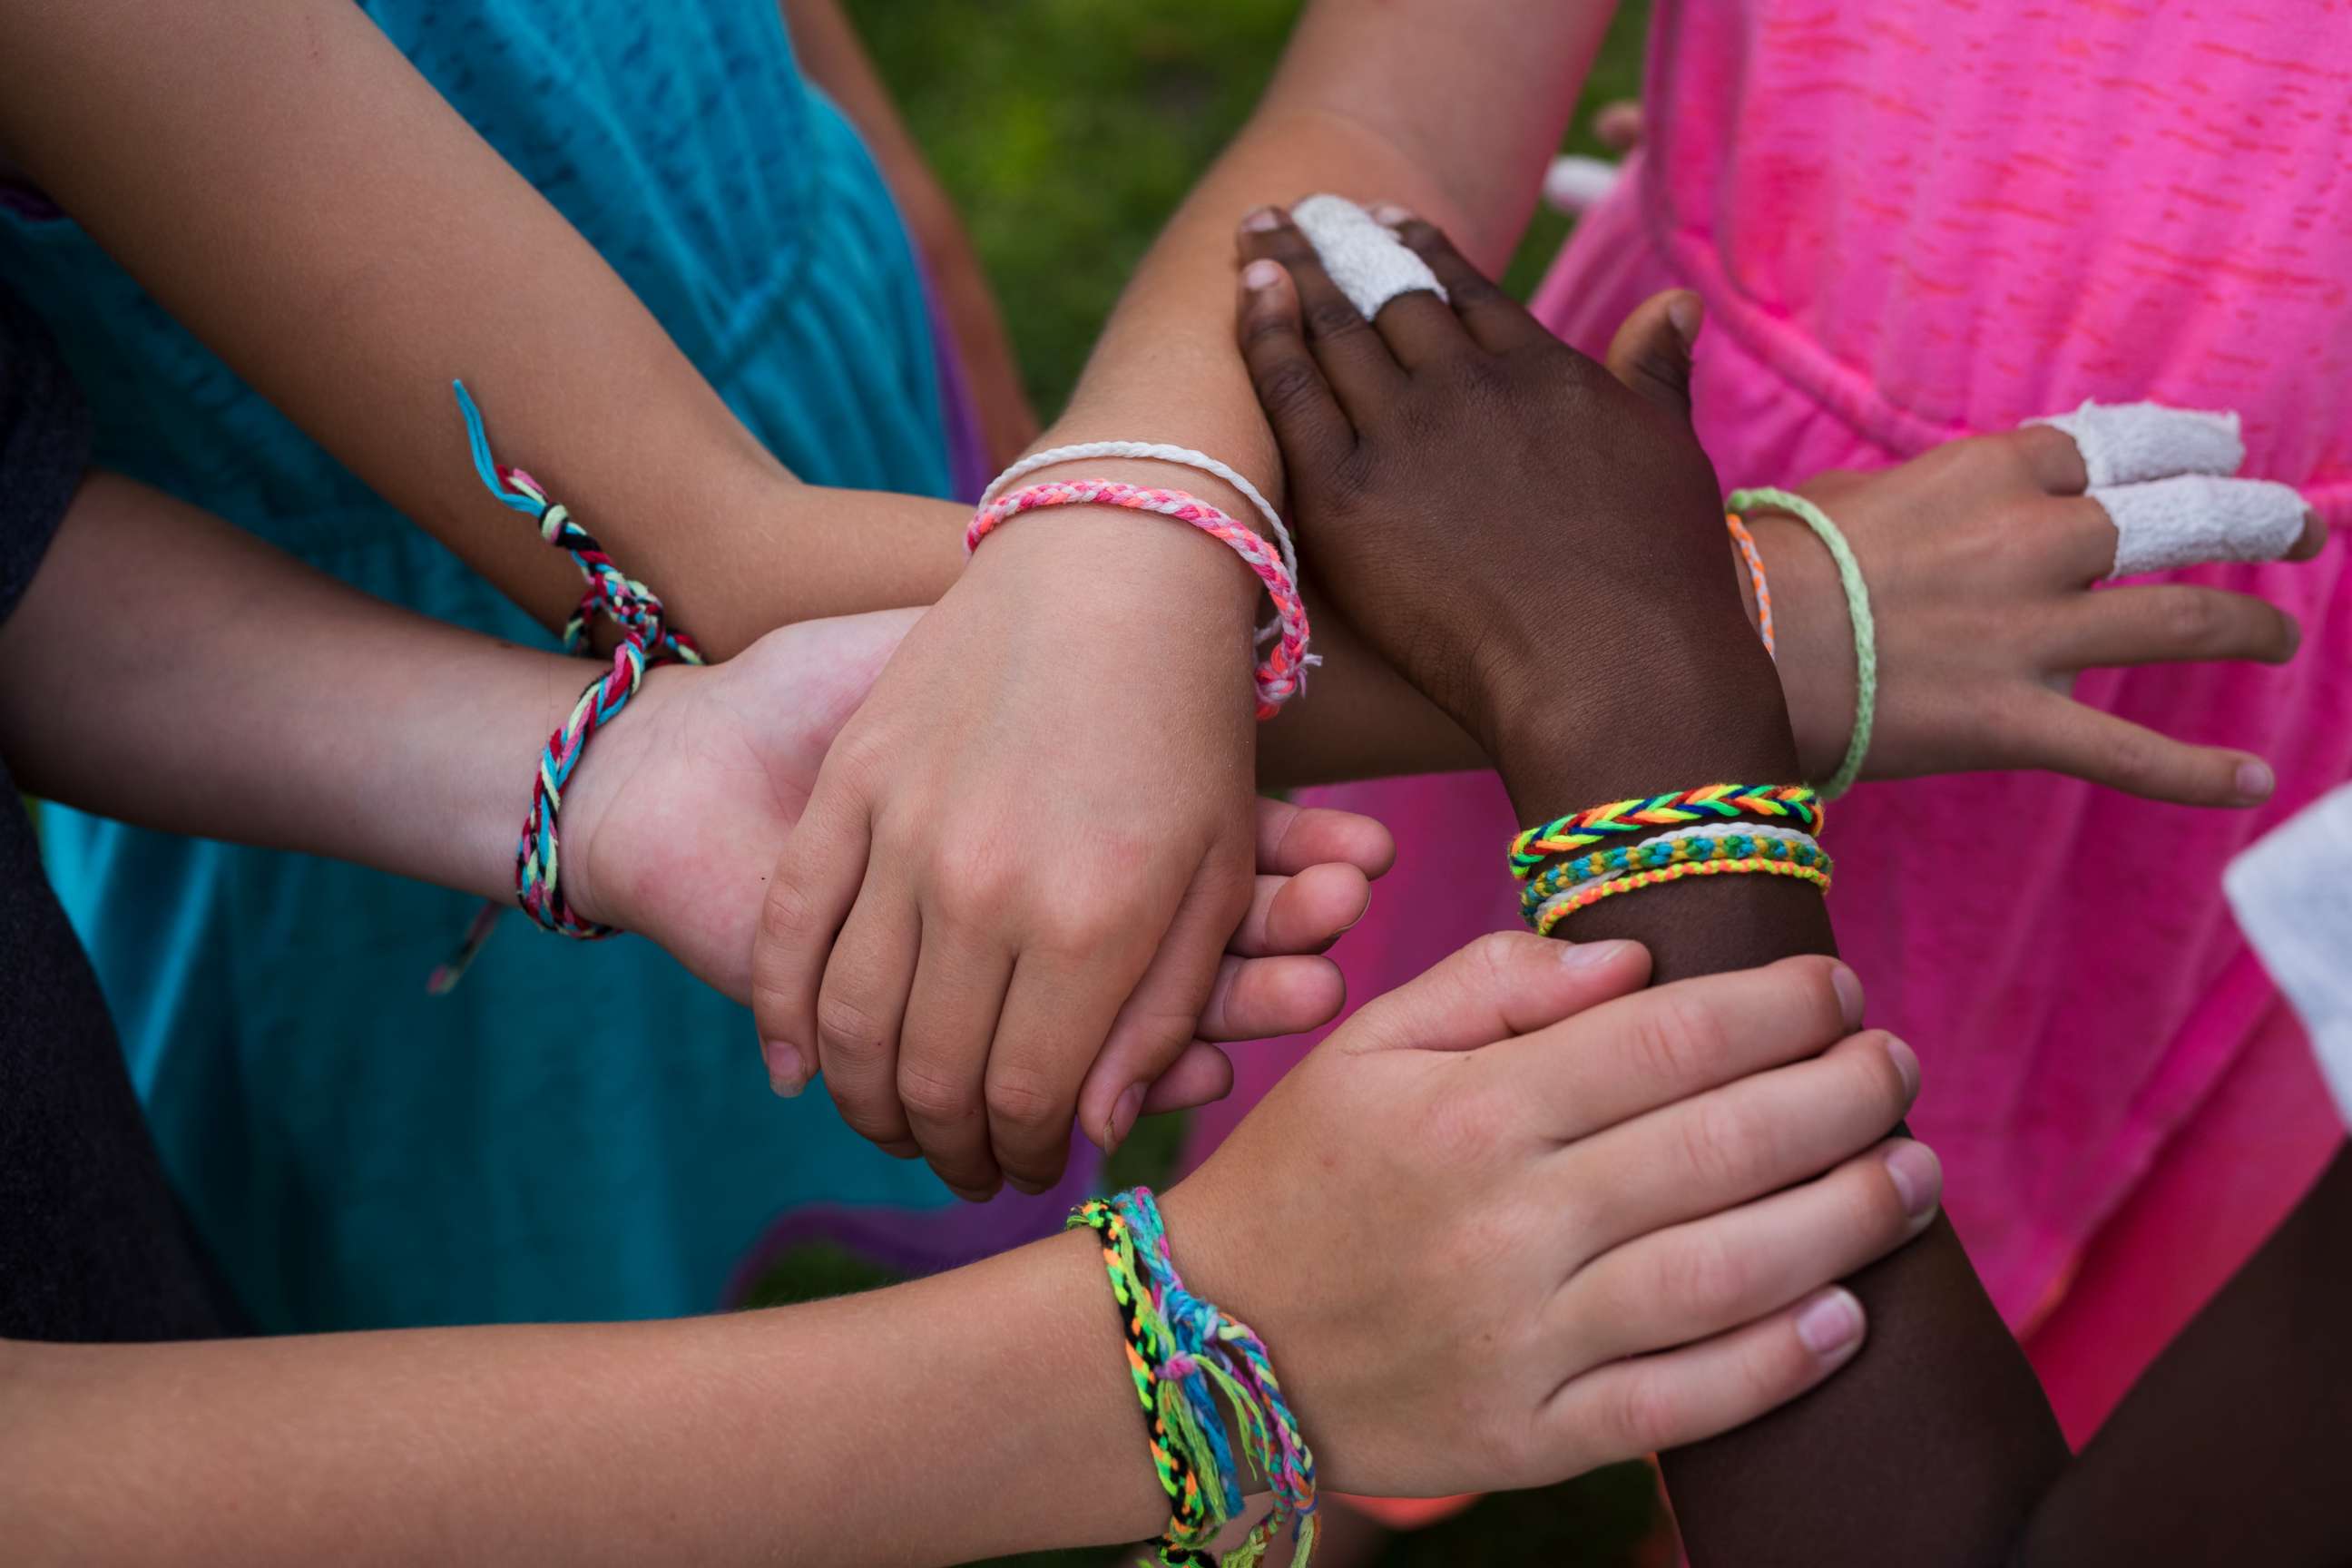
(1633, 672)
(176, 673)
(1565, 1276)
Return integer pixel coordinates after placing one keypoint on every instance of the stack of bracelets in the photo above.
(1182, 1353)
(1622, 846)
(646, 641)
(1282, 674)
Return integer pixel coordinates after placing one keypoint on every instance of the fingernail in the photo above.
(1263, 219)
(970, 1194)
(1393, 214)
(1849, 995)
(1829, 1322)
(1022, 1184)
(1906, 1062)
(1590, 954)
(1687, 317)
(2255, 781)
(1918, 1177)
(786, 1076)
(1123, 1115)
(1261, 274)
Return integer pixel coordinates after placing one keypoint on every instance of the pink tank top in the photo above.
(1942, 216)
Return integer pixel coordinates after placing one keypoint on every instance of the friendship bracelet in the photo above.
(1763, 590)
(1559, 908)
(1182, 1352)
(1857, 606)
(1162, 452)
(1283, 672)
(1710, 841)
(1796, 802)
(646, 641)
(1193, 1514)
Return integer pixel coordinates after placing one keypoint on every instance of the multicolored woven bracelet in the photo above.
(1182, 1352)
(1723, 802)
(1559, 908)
(1746, 542)
(1711, 841)
(646, 641)
(1282, 673)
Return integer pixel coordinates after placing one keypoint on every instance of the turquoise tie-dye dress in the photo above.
(580, 1131)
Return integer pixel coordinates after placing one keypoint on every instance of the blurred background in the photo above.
(1063, 179)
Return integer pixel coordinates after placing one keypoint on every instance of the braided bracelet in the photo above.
(1283, 671)
(1163, 452)
(646, 641)
(1708, 841)
(1857, 606)
(1787, 803)
(1559, 908)
(1181, 1354)
(1746, 542)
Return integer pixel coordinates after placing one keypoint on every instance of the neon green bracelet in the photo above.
(1857, 607)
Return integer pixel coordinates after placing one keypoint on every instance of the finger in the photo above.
(1157, 1020)
(815, 885)
(1052, 1022)
(1646, 1404)
(1357, 363)
(1300, 405)
(1695, 1281)
(1505, 985)
(1305, 913)
(860, 1009)
(2172, 622)
(1652, 350)
(1392, 288)
(2196, 520)
(1737, 1143)
(1498, 322)
(2046, 730)
(1202, 1074)
(1644, 1051)
(2128, 443)
(1266, 998)
(2310, 542)
(1618, 125)
(1290, 838)
(953, 1009)
(2050, 456)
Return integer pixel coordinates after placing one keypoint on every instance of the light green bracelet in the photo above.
(1857, 607)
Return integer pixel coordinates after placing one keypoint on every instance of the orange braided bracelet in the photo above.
(1557, 909)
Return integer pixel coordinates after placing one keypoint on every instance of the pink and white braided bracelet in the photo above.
(1283, 671)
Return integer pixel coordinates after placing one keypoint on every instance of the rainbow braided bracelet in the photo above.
(1283, 671)
(1722, 802)
(1708, 841)
(1181, 1354)
(646, 641)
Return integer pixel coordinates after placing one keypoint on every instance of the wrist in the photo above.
(1815, 639)
(595, 862)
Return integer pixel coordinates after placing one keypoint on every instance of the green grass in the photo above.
(1067, 130)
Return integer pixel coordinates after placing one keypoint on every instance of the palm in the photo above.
(700, 793)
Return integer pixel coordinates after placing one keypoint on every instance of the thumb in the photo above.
(1505, 985)
(1652, 351)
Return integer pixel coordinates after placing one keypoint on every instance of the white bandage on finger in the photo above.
(2292, 895)
(2125, 443)
(1371, 265)
(2196, 518)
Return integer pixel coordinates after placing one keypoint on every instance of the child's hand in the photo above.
(1525, 538)
(682, 810)
(1026, 853)
(1520, 1218)
(1978, 557)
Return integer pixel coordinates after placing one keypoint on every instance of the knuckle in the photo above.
(1638, 1413)
(787, 913)
(935, 1097)
(1467, 1126)
(1022, 1099)
(848, 1027)
(1706, 1273)
(1725, 1143)
(1334, 319)
(1680, 1040)
(2194, 621)
(1289, 385)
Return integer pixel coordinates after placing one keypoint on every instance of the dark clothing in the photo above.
(93, 1242)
